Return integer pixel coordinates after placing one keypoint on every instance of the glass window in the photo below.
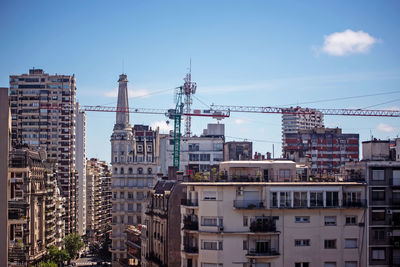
(300, 199)
(396, 177)
(378, 175)
(209, 195)
(330, 264)
(332, 199)
(378, 194)
(378, 215)
(330, 243)
(378, 254)
(285, 199)
(350, 243)
(330, 220)
(302, 242)
(302, 219)
(211, 245)
(350, 264)
(194, 147)
(351, 220)
(316, 199)
(284, 173)
(302, 264)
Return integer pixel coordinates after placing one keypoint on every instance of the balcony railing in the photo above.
(189, 202)
(190, 249)
(190, 223)
(263, 226)
(354, 203)
(268, 252)
(248, 204)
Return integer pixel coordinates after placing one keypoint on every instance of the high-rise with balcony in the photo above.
(134, 160)
(81, 168)
(294, 119)
(43, 116)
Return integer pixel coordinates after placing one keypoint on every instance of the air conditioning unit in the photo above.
(389, 234)
(389, 211)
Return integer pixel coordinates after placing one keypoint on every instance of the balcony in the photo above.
(354, 204)
(190, 223)
(262, 253)
(248, 204)
(396, 201)
(189, 202)
(264, 225)
(190, 249)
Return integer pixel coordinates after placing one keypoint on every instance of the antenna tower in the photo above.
(189, 88)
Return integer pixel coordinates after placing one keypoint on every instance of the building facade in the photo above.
(273, 224)
(295, 119)
(238, 151)
(38, 121)
(198, 153)
(98, 198)
(325, 149)
(81, 168)
(27, 207)
(381, 170)
(5, 146)
(161, 241)
(135, 161)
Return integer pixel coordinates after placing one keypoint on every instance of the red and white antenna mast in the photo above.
(189, 88)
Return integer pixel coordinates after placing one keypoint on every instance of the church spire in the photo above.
(122, 117)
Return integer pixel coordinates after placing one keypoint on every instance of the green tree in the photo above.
(47, 264)
(57, 256)
(73, 244)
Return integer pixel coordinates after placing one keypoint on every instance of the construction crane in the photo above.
(299, 110)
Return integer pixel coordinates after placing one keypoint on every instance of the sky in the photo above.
(250, 53)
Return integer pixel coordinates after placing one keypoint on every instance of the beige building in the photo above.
(35, 99)
(27, 207)
(135, 161)
(5, 133)
(98, 202)
(274, 224)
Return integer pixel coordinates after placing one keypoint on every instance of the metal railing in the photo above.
(189, 202)
(248, 204)
(268, 252)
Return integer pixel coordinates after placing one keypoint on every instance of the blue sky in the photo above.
(263, 53)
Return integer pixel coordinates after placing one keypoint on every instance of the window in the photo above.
(149, 171)
(130, 171)
(209, 195)
(378, 194)
(378, 254)
(378, 175)
(211, 245)
(330, 220)
(274, 200)
(350, 243)
(302, 242)
(379, 234)
(351, 220)
(211, 265)
(396, 177)
(330, 264)
(139, 148)
(332, 199)
(204, 157)
(194, 147)
(149, 148)
(284, 173)
(350, 264)
(218, 146)
(330, 243)
(194, 157)
(285, 199)
(300, 199)
(244, 244)
(121, 195)
(245, 221)
(139, 207)
(302, 264)
(302, 219)
(122, 170)
(211, 221)
(140, 170)
(316, 199)
(130, 207)
(378, 215)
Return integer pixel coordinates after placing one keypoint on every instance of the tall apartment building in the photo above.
(238, 150)
(198, 153)
(98, 199)
(293, 121)
(80, 161)
(161, 240)
(325, 149)
(381, 170)
(50, 129)
(5, 133)
(27, 207)
(273, 224)
(134, 160)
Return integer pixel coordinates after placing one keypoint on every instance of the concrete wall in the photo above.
(375, 150)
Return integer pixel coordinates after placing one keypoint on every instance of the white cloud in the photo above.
(240, 121)
(348, 42)
(132, 93)
(383, 127)
(164, 127)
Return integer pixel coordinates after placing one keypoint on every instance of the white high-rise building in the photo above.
(294, 119)
(80, 162)
(134, 160)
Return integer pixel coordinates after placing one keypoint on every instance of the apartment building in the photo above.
(238, 150)
(80, 160)
(295, 119)
(381, 169)
(325, 149)
(161, 240)
(133, 245)
(135, 161)
(38, 121)
(5, 146)
(198, 153)
(98, 198)
(27, 207)
(274, 224)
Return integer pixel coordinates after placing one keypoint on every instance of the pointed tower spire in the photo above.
(122, 117)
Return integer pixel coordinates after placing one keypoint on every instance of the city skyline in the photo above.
(242, 54)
